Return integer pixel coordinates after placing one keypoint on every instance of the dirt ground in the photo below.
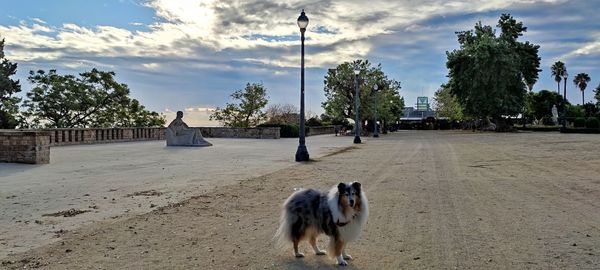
(438, 200)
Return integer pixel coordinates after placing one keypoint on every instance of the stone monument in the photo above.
(179, 134)
(554, 115)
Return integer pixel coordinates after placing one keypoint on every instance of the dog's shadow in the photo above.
(317, 263)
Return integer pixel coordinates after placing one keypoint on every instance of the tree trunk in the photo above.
(582, 98)
(558, 87)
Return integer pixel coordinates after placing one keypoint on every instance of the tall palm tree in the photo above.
(558, 70)
(581, 81)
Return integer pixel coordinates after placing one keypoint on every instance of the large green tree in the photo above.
(340, 93)
(581, 81)
(247, 109)
(93, 99)
(9, 104)
(446, 104)
(558, 70)
(489, 73)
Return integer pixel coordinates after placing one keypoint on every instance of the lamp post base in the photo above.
(302, 153)
(357, 139)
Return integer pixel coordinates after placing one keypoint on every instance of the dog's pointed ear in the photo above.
(356, 186)
(341, 187)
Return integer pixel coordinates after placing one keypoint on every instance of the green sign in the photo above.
(422, 104)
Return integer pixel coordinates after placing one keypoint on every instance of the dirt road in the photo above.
(439, 200)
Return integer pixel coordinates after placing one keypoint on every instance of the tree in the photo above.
(489, 74)
(590, 109)
(446, 104)
(94, 99)
(282, 114)
(542, 102)
(340, 93)
(581, 81)
(9, 105)
(558, 70)
(246, 113)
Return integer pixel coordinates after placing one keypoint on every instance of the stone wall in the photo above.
(312, 131)
(24, 146)
(249, 133)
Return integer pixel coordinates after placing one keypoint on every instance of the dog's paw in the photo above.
(340, 261)
(299, 255)
(321, 252)
(347, 257)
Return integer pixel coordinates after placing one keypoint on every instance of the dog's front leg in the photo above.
(339, 247)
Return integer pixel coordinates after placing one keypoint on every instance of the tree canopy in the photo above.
(94, 99)
(247, 111)
(488, 74)
(542, 102)
(581, 80)
(9, 104)
(340, 93)
(282, 114)
(558, 70)
(446, 104)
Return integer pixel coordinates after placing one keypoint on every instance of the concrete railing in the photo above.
(24, 146)
(75, 136)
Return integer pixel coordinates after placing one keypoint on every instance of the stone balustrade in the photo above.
(74, 136)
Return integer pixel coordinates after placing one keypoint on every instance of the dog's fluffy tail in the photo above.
(283, 236)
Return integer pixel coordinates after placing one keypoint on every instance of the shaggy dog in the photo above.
(340, 214)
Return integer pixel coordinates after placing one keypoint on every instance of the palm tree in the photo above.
(580, 82)
(558, 69)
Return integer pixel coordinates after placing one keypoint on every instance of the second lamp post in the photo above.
(376, 130)
(302, 152)
(356, 105)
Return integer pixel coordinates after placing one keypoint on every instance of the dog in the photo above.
(341, 214)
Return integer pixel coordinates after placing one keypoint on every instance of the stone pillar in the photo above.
(24, 146)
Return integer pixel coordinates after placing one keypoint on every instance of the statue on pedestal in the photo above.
(179, 134)
(554, 115)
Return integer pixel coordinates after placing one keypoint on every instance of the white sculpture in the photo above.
(554, 115)
(179, 134)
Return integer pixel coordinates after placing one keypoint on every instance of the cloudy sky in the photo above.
(194, 53)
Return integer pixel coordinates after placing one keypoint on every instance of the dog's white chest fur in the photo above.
(354, 220)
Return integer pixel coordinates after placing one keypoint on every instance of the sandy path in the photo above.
(439, 200)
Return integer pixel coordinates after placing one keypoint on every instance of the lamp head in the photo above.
(302, 20)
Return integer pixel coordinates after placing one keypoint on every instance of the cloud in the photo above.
(195, 40)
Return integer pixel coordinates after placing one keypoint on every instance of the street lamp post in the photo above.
(356, 106)
(302, 152)
(376, 132)
(565, 75)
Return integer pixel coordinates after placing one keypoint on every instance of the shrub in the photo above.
(579, 122)
(314, 122)
(592, 122)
